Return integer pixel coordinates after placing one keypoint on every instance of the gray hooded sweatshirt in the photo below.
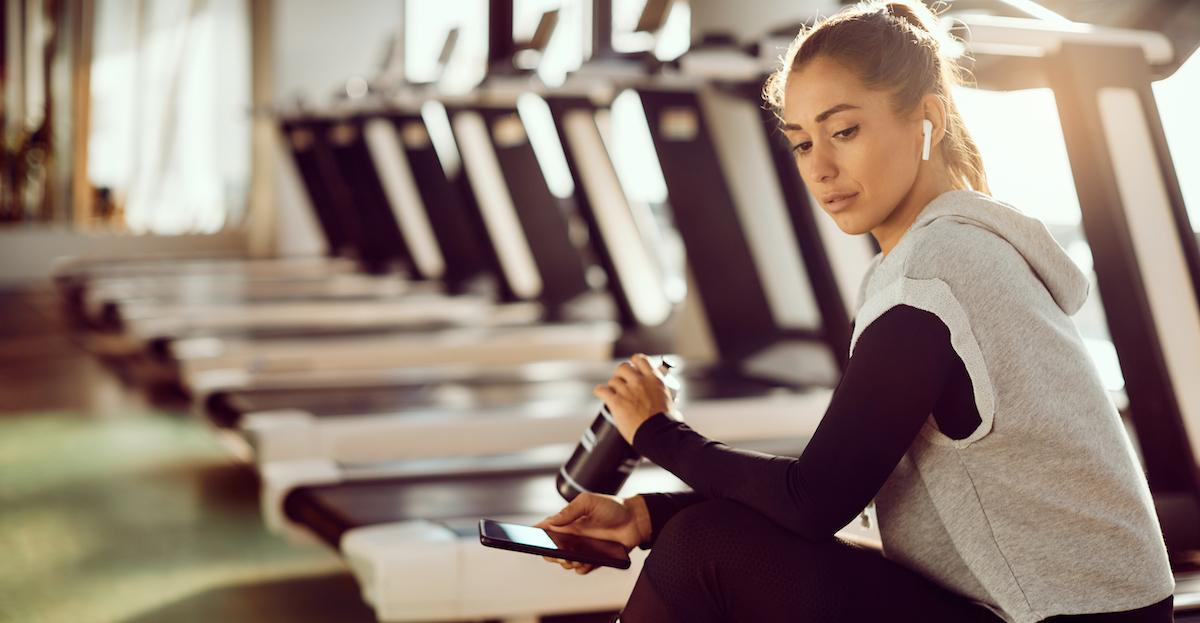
(1043, 509)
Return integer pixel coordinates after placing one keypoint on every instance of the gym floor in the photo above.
(115, 509)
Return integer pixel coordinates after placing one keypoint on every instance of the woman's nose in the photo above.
(822, 166)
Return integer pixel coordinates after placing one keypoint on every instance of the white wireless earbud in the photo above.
(927, 130)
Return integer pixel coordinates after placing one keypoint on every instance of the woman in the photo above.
(1005, 486)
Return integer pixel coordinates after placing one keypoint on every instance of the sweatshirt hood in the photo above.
(1067, 284)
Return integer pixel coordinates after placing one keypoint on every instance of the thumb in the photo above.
(576, 509)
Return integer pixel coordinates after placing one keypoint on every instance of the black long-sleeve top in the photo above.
(903, 369)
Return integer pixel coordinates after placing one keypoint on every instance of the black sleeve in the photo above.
(889, 388)
(663, 506)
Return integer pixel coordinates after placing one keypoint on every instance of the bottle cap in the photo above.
(665, 365)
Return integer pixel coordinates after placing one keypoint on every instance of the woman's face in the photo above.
(855, 155)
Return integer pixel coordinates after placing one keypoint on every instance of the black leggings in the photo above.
(721, 561)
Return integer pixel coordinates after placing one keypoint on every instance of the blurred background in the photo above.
(125, 117)
(144, 135)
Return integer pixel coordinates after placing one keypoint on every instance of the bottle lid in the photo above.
(665, 365)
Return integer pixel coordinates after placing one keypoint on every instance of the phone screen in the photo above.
(550, 543)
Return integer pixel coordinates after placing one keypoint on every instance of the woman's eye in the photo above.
(804, 147)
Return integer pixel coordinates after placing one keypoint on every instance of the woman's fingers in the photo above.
(621, 388)
(571, 565)
(627, 373)
(612, 393)
(562, 562)
(626, 380)
(643, 365)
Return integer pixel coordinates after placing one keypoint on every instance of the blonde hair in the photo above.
(891, 46)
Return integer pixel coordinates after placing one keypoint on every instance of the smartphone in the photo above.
(531, 540)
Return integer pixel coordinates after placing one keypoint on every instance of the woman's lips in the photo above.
(840, 204)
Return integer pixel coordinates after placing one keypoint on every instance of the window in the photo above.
(1176, 99)
(169, 133)
(429, 23)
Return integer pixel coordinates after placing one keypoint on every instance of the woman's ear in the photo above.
(934, 109)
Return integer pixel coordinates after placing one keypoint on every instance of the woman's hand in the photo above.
(634, 394)
(602, 517)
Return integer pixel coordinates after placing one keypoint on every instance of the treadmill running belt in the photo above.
(226, 408)
(160, 346)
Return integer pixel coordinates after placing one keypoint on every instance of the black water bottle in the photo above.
(603, 460)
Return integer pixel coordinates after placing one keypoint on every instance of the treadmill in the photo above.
(359, 158)
(147, 300)
(530, 248)
(155, 273)
(412, 540)
(336, 156)
(292, 417)
(97, 293)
